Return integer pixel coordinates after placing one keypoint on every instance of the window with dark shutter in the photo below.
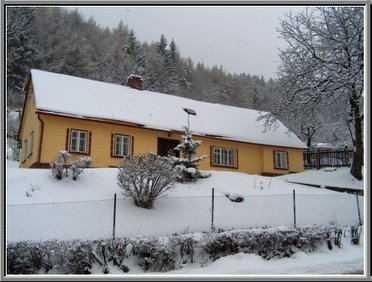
(121, 145)
(280, 159)
(79, 141)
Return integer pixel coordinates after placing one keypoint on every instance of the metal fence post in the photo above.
(360, 219)
(114, 219)
(294, 208)
(212, 219)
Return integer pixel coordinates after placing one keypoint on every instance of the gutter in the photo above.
(41, 137)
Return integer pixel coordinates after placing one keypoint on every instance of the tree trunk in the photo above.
(144, 203)
(356, 166)
(308, 143)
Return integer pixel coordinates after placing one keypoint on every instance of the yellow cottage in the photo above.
(107, 121)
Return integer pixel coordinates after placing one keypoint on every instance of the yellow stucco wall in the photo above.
(252, 158)
(55, 139)
(30, 124)
(295, 160)
(249, 155)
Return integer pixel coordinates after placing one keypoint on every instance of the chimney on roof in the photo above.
(135, 81)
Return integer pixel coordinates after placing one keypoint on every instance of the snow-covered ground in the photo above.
(40, 207)
(336, 177)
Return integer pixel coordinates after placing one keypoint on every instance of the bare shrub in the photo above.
(145, 177)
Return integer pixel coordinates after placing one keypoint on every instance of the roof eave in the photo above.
(122, 122)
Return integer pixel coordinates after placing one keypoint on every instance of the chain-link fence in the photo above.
(177, 215)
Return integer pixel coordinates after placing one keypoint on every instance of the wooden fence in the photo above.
(319, 159)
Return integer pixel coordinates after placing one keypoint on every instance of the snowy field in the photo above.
(41, 208)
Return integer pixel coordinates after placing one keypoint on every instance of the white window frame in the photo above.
(281, 160)
(226, 157)
(77, 140)
(31, 144)
(119, 145)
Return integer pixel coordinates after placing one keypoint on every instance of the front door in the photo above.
(166, 147)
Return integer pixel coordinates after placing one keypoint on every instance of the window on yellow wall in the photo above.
(24, 154)
(280, 160)
(30, 144)
(224, 157)
(78, 141)
(122, 145)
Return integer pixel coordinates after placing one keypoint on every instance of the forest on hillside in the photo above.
(59, 40)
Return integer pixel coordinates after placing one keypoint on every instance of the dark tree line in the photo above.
(55, 39)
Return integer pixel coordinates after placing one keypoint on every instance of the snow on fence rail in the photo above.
(175, 215)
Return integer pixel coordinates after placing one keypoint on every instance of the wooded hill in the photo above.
(60, 40)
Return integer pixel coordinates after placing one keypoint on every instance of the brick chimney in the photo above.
(135, 81)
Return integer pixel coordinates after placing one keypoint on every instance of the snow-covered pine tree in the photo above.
(188, 163)
(162, 45)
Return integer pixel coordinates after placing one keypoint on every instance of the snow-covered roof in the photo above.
(322, 146)
(74, 96)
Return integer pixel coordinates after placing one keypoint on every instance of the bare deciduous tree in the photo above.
(323, 64)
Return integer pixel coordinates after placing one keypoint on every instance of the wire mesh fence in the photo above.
(176, 215)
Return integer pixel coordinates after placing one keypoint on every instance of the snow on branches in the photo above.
(60, 167)
(146, 177)
(188, 163)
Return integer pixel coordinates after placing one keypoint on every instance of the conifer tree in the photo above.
(188, 163)
(162, 45)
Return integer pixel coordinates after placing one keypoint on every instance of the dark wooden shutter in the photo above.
(112, 145)
(90, 142)
(67, 139)
(237, 158)
(211, 156)
(274, 159)
(132, 153)
(287, 160)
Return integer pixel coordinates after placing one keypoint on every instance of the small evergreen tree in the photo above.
(188, 163)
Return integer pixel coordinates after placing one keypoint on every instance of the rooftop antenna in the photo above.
(189, 112)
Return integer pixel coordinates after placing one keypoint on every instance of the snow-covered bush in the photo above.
(78, 167)
(221, 245)
(78, 260)
(86, 161)
(161, 254)
(23, 259)
(146, 177)
(188, 163)
(60, 167)
(152, 256)
(355, 234)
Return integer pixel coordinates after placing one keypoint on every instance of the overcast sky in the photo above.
(240, 38)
